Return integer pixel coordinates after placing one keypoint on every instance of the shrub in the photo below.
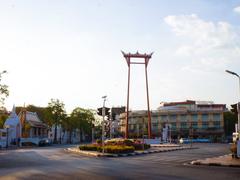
(128, 142)
(140, 146)
(118, 149)
(98, 141)
(116, 146)
(90, 147)
(147, 146)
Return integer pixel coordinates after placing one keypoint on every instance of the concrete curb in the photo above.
(204, 163)
(97, 154)
(214, 164)
(164, 146)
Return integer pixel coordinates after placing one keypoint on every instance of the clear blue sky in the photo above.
(70, 50)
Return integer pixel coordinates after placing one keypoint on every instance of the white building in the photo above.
(26, 127)
(63, 136)
(13, 127)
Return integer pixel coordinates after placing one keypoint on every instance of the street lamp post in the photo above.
(103, 115)
(238, 110)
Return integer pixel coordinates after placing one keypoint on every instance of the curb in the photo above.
(214, 164)
(124, 155)
(199, 162)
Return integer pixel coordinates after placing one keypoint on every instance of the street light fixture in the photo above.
(238, 108)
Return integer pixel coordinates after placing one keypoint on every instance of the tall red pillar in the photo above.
(146, 58)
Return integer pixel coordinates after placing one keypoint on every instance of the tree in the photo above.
(3, 118)
(68, 125)
(82, 120)
(41, 112)
(230, 119)
(56, 113)
(4, 92)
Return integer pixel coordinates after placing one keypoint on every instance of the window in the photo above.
(4, 134)
(173, 125)
(216, 117)
(173, 117)
(204, 117)
(183, 117)
(216, 124)
(131, 126)
(154, 126)
(194, 117)
(163, 117)
(183, 125)
(205, 125)
(195, 125)
(154, 119)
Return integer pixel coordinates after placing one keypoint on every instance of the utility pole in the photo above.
(103, 122)
(110, 124)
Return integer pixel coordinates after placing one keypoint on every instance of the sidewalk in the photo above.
(148, 151)
(225, 160)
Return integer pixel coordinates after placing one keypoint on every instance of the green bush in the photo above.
(147, 146)
(140, 146)
(108, 149)
(98, 141)
(128, 142)
(118, 149)
(116, 146)
(90, 147)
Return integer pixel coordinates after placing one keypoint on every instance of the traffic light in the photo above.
(107, 111)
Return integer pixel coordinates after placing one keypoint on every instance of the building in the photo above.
(32, 126)
(115, 120)
(26, 127)
(189, 118)
(64, 136)
(12, 128)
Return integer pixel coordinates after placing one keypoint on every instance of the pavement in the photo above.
(225, 160)
(154, 149)
(54, 162)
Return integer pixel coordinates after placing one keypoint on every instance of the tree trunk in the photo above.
(63, 136)
(80, 135)
(55, 134)
(70, 136)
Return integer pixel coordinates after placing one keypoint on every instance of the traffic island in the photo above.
(225, 160)
(135, 153)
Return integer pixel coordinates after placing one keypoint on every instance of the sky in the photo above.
(71, 50)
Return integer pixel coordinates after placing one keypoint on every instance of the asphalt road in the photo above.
(55, 163)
